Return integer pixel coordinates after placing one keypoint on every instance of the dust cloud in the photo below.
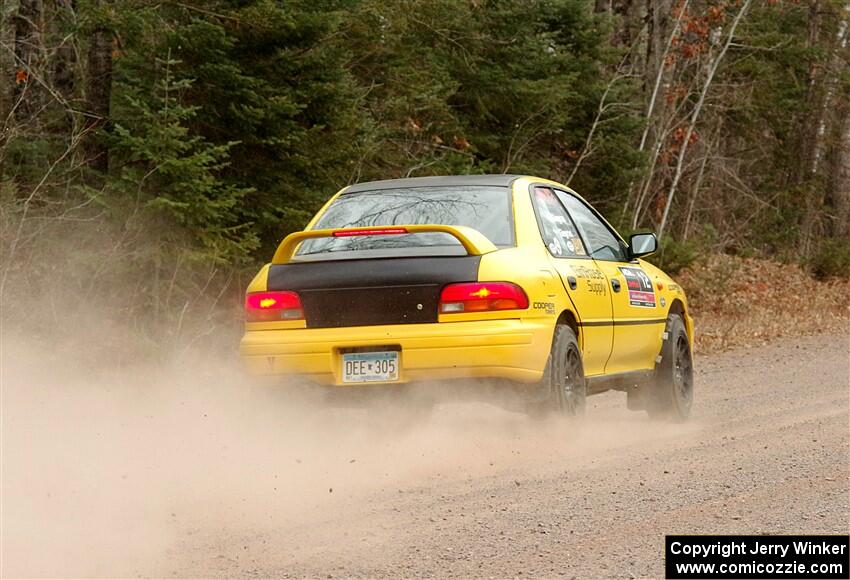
(107, 468)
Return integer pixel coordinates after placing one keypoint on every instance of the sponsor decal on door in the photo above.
(641, 292)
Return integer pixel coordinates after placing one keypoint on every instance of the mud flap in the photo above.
(635, 398)
(636, 394)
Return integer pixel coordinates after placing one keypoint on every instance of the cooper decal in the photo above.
(641, 292)
(549, 307)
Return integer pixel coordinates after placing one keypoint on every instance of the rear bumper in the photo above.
(511, 349)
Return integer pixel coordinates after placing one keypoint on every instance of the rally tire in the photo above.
(671, 394)
(563, 388)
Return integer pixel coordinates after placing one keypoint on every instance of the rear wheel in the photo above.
(672, 393)
(562, 390)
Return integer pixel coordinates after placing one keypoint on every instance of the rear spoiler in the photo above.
(474, 242)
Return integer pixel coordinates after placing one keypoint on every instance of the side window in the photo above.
(602, 244)
(557, 229)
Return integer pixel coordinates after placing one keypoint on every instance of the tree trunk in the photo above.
(98, 96)
(7, 64)
(600, 6)
(824, 125)
(658, 14)
(839, 192)
(695, 115)
(65, 63)
(831, 82)
(658, 44)
(28, 24)
(629, 26)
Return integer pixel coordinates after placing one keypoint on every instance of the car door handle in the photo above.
(615, 284)
(571, 280)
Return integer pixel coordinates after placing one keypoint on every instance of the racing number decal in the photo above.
(640, 288)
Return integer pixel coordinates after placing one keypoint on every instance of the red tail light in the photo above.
(370, 232)
(272, 306)
(482, 296)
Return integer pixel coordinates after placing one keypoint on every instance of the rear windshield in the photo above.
(484, 208)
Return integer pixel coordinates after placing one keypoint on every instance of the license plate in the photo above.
(369, 367)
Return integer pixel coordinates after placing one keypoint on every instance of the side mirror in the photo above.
(642, 245)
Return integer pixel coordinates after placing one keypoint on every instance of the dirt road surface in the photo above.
(125, 474)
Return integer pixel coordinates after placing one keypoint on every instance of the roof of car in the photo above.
(440, 181)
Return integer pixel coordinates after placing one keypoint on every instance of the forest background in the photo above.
(153, 153)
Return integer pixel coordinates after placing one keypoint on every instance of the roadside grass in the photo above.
(747, 301)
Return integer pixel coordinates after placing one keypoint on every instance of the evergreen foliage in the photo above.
(231, 121)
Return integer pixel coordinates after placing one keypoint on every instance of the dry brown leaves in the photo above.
(745, 301)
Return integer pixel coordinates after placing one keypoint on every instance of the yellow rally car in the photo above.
(502, 277)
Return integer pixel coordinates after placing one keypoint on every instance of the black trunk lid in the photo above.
(371, 292)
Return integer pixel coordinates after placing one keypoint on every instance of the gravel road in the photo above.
(766, 452)
(235, 490)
